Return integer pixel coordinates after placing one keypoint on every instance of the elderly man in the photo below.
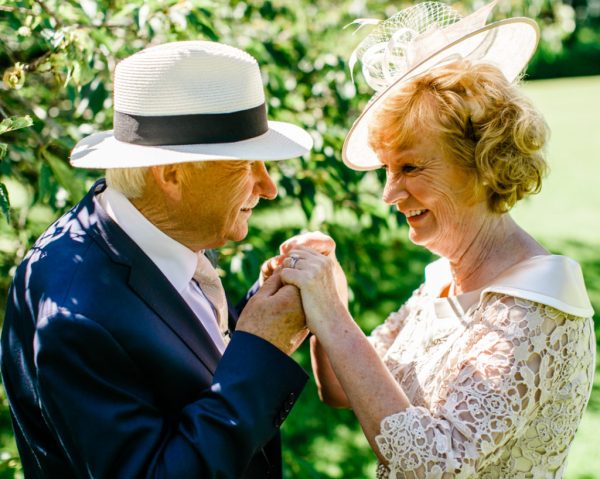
(114, 348)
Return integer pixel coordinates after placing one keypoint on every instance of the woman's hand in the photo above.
(321, 243)
(316, 240)
(316, 276)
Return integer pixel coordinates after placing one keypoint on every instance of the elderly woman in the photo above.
(486, 370)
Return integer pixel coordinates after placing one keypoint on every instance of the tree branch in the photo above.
(33, 65)
(6, 8)
(42, 4)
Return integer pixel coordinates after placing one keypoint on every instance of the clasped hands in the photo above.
(295, 300)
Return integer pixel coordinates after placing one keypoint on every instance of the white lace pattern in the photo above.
(495, 392)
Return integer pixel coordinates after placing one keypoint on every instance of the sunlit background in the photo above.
(56, 57)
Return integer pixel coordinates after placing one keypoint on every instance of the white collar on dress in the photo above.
(552, 280)
(175, 261)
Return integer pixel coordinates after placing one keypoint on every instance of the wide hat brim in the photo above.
(508, 44)
(102, 150)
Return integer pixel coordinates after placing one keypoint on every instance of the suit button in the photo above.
(289, 402)
(279, 420)
(287, 406)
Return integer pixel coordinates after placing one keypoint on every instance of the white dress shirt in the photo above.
(174, 260)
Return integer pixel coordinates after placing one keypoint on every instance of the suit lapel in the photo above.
(150, 284)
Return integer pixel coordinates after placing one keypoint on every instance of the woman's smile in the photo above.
(414, 217)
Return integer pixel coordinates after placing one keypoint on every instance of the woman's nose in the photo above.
(394, 192)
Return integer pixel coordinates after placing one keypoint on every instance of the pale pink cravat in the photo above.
(210, 284)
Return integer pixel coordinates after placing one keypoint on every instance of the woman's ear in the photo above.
(169, 179)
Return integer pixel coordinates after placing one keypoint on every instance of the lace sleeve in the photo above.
(502, 374)
(383, 336)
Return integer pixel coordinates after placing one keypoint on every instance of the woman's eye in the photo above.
(400, 169)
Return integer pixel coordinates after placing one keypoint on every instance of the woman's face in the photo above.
(436, 196)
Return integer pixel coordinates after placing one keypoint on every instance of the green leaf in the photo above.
(44, 187)
(3, 150)
(64, 175)
(4, 201)
(15, 123)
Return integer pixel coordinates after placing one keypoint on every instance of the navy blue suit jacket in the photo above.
(109, 374)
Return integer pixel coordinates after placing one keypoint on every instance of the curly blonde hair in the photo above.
(486, 126)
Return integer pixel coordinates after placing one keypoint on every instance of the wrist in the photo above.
(337, 321)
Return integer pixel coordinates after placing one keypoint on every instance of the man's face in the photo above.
(217, 200)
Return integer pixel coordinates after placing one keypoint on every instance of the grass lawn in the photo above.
(565, 216)
(568, 206)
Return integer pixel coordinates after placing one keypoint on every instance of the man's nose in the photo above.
(394, 191)
(264, 186)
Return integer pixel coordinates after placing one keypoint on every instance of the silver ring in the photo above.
(293, 260)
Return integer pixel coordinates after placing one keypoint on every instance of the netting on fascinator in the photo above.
(407, 38)
(423, 37)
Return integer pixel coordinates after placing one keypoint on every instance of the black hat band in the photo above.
(203, 128)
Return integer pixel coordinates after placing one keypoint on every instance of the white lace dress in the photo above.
(498, 379)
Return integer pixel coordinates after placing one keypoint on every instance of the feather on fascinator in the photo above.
(421, 37)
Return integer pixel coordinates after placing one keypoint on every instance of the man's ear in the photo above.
(169, 179)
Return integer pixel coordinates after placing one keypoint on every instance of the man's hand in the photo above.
(275, 314)
(269, 267)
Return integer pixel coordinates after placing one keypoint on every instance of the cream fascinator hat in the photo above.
(421, 37)
(189, 101)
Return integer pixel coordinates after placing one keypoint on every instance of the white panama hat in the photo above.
(421, 37)
(189, 101)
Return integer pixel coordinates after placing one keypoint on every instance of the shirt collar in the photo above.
(176, 261)
(553, 280)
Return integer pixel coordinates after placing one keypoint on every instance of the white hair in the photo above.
(132, 181)
(128, 181)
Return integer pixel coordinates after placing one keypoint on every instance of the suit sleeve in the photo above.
(109, 424)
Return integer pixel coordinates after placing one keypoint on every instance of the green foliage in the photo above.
(7, 125)
(57, 57)
(12, 124)
(4, 202)
(10, 466)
